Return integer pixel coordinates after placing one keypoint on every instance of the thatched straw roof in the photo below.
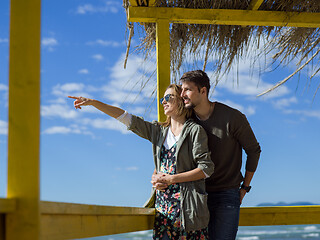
(227, 44)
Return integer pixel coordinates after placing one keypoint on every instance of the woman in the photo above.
(181, 156)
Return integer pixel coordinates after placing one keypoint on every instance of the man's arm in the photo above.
(246, 182)
(244, 134)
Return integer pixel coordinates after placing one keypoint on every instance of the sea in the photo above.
(290, 232)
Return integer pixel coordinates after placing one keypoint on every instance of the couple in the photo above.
(198, 138)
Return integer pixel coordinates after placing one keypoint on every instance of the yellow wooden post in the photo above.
(24, 120)
(163, 62)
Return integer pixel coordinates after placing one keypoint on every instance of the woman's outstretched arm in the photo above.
(136, 124)
(110, 110)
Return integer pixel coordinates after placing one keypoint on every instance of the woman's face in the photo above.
(169, 102)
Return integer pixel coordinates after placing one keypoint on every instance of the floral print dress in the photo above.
(167, 205)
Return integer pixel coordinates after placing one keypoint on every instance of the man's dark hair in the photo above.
(198, 77)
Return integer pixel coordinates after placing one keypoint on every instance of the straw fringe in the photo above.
(227, 44)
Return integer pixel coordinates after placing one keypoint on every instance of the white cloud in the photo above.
(137, 110)
(83, 71)
(50, 41)
(108, 7)
(3, 87)
(69, 87)
(62, 106)
(58, 110)
(110, 124)
(249, 85)
(119, 96)
(106, 43)
(284, 102)
(58, 129)
(125, 86)
(132, 168)
(73, 89)
(60, 100)
(73, 129)
(306, 113)
(85, 8)
(3, 128)
(98, 57)
(249, 110)
(3, 40)
(131, 84)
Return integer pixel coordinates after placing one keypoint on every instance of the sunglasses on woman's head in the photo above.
(166, 97)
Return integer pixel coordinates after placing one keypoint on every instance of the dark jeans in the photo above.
(224, 207)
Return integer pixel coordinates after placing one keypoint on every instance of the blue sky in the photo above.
(86, 157)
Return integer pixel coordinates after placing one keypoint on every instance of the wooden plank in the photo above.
(295, 215)
(68, 220)
(58, 227)
(255, 4)
(225, 17)
(7, 205)
(85, 209)
(163, 62)
(24, 120)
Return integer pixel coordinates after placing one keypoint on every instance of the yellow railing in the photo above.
(68, 220)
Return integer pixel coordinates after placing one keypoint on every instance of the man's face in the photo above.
(190, 94)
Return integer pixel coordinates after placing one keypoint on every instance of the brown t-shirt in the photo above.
(228, 133)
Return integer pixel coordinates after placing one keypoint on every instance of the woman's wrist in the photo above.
(94, 102)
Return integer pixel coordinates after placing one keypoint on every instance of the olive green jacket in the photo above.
(191, 152)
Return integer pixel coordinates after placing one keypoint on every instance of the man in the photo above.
(228, 133)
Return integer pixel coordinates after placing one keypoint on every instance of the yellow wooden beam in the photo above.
(59, 227)
(70, 221)
(224, 17)
(86, 209)
(7, 205)
(163, 62)
(293, 215)
(255, 4)
(24, 120)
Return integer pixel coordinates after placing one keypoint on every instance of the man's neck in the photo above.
(204, 110)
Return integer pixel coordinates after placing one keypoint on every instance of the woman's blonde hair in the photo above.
(181, 110)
